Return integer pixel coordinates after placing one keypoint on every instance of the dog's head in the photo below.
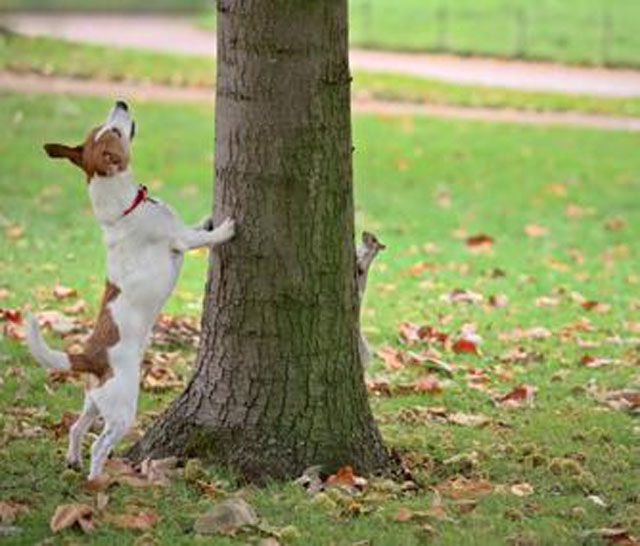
(106, 150)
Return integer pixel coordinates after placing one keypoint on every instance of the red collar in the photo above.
(140, 197)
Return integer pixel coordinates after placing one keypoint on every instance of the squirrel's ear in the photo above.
(73, 154)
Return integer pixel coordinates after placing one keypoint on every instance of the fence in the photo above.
(574, 33)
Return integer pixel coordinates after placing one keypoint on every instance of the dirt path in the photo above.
(179, 35)
(31, 83)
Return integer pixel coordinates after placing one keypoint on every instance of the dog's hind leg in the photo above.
(78, 430)
(112, 433)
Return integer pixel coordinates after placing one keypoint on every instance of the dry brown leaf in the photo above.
(522, 489)
(520, 395)
(63, 292)
(140, 521)
(536, 230)
(428, 384)
(67, 515)
(392, 358)
(460, 487)
(10, 510)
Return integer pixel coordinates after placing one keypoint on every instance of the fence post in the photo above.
(521, 34)
(442, 18)
(606, 33)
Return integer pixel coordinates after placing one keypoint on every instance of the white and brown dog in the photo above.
(145, 242)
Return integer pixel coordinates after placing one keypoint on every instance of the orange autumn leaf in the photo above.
(465, 346)
(481, 239)
(393, 359)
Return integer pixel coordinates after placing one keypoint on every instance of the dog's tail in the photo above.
(44, 354)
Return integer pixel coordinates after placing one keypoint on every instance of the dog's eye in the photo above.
(117, 131)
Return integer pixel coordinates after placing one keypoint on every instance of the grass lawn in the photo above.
(573, 31)
(561, 206)
(56, 57)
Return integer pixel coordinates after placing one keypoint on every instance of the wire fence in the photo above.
(593, 36)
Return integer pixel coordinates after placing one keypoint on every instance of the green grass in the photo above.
(558, 30)
(56, 57)
(591, 32)
(417, 181)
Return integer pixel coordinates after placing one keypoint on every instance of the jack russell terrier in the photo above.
(146, 241)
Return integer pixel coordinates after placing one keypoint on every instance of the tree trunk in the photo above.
(278, 384)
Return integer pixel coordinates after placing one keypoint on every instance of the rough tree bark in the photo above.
(278, 384)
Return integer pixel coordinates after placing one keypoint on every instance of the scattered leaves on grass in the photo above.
(67, 515)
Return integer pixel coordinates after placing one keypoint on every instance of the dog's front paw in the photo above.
(226, 230)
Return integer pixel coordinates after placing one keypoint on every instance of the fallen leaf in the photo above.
(624, 400)
(14, 231)
(481, 239)
(522, 489)
(614, 224)
(140, 521)
(536, 230)
(468, 419)
(79, 306)
(427, 384)
(462, 296)
(465, 346)
(498, 300)
(67, 515)
(63, 292)
(4, 293)
(522, 394)
(392, 358)
(10, 510)
(419, 268)
(460, 487)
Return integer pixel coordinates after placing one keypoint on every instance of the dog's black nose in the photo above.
(122, 105)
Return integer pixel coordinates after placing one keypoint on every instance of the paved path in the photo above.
(32, 83)
(180, 35)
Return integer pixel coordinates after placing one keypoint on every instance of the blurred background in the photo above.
(576, 31)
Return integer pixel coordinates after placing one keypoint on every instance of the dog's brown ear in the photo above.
(73, 154)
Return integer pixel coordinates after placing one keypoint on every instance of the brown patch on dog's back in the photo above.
(95, 360)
